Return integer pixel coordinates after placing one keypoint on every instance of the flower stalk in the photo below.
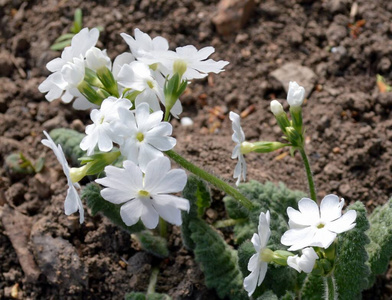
(330, 288)
(309, 174)
(220, 184)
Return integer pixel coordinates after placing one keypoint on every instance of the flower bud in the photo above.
(96, 59)
(76, 174)
(276, 107)
(296, 94)
(73, 73)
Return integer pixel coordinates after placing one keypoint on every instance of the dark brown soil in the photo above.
(348, 121)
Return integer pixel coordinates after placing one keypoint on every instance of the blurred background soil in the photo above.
(335, 48)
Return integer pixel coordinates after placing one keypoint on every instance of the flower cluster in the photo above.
(127, 97)
(310, 227)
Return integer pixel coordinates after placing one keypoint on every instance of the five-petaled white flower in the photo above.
(68, 70)
(145, 135)
(304, 263)
(296, 94)
(238, 137)
(146, 197)
(101, 131)
(258, 263)
(190, 62)
(72, 201)
(311, 226)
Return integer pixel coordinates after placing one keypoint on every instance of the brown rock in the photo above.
(232, 15)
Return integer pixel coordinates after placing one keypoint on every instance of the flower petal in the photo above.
(131, 212)
(310, 210)
(150, 217)
(344, 223)
(298, 238)
(331, 208)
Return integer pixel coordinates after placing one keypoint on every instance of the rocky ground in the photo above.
(335, 48)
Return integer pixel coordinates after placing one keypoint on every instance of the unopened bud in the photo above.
(276, 107)
(296, 94)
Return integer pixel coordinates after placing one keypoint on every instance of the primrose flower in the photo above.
(101, 131)
(304, 263)
(72, 201)
(143, 45)
(192, 63)
(146, 197)
(145, 135)
(311, 226)
(239, 138)
(296, 94)
(258, 263)
(68, 70)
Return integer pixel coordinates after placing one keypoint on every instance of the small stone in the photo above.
(212, 214)
(186, 122)
(344, 189)
(77, 125)
(232, 15)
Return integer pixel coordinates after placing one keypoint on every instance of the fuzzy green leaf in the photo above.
(142, 296)
(268, 295)
(91, 193)
(312, 288)
(351, 271)
(69, 140)
(218, 261)
(380, 234)
(153, 244)
(198, 195)
(264, 197)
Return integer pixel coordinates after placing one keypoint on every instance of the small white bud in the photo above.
(276, 107)
(296, 94)
(96, 59)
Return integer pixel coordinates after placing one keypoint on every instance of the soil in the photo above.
(348, 127)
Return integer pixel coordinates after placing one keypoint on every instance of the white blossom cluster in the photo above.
(131, 117)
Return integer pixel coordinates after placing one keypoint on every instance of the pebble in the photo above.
(186, 122)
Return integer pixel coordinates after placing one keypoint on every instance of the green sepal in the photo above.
(283, 121)
(265, 147)
(98, 161)
(296, 116)
(108, 81)
(90, 76)
(91, 193)
(156, 245)
(90, 93)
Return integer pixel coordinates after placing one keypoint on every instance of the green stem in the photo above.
(153, 281)
(162, 228)
(228, 222)
(309, 174)
(220, 184)
(330, 288)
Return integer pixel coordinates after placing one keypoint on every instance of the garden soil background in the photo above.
(348, 129)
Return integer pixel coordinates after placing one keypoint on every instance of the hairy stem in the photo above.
(220, 184)
(153, 281)
(162, 228)
(309, 174)
(330, 288)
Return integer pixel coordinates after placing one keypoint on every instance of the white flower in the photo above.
(145, 136)
(146, 197)
(143, 45)
(97, 58)
(139, 77)
(296, 94)
(258, 263)
(276, 107)
(101, 131)
(311, 226)
(67, 71)
(72, 201)
(304, 263)
(238, 137)
(193, 63)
